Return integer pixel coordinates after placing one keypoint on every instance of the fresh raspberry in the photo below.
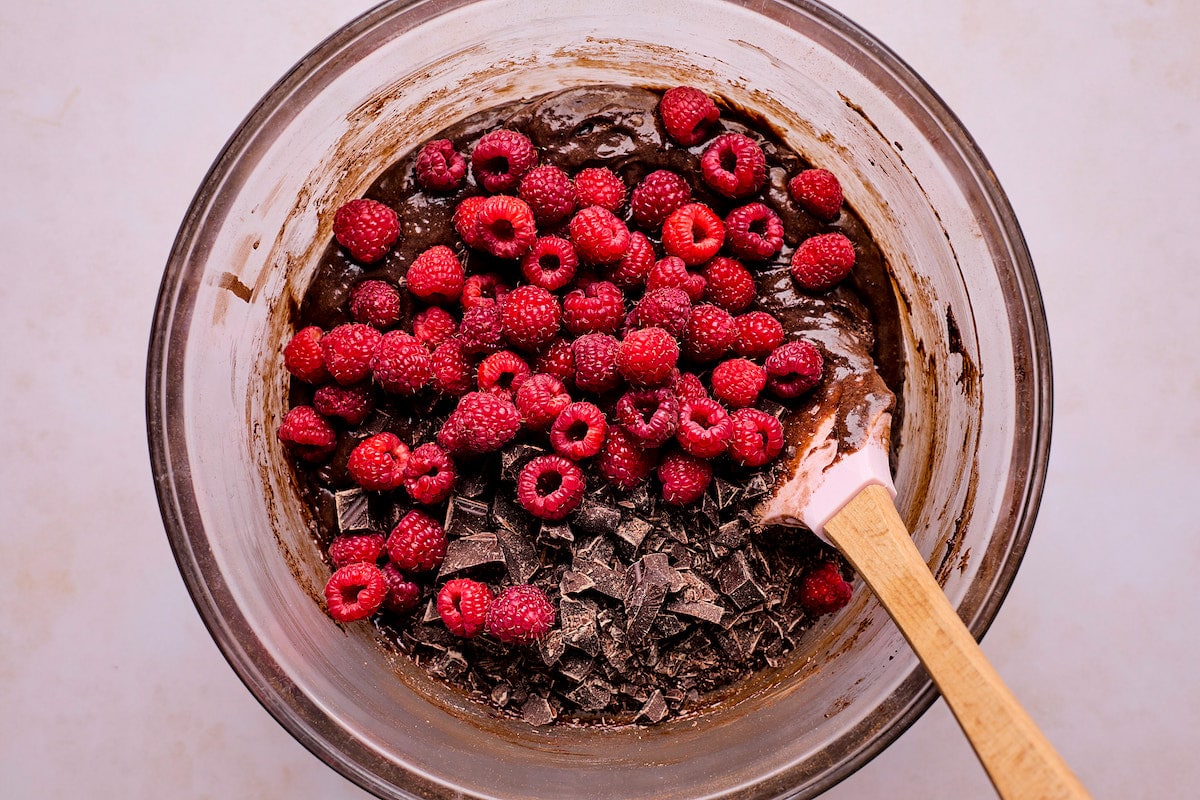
(794, 368)
(684, 477)
(366, 228)
(550, 487)
(738, 382)
(502, 373)
(465, 219)
(549, 192)
(758, 333)
(401, 364)
(823, 590)
(633, 267)
(558, 359)
(728, 284)
(505, 226)
(596, 363)
(649, 416)
(520, 615)
(307, 434)
(500, 158)
(647, 356)
(463, 604)
(665, 308)
(550, 263)
(439, 167)
(753, 232)
(600, 308)
(433, 325)
(734, 165)
(417, 543)
(599, 186)
(757, 437)
(356, 548)
(530, 317)
(710, 333)
(436, 276)
(429, 475)
(623, 461)
(600, 236)
(481, 329)
(671, 273)
(821, 262)
(658, 195)
(403, 595)
(704, 428)
(818, 192)
(451, 371)
(481, 423)
(376, 303)
(349, 403)
(688, 386)
(377, 462)
(540, 399)
(347, 351)
(579, 431)
(694, 233)
(482, 289)
(355, 591)
(687, 114)
(302, 356)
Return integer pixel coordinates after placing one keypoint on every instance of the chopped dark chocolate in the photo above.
(633, 532)
(554, 534)
(653, 710)
(513, 458)
(647, 590)
(508, 515)
(353, 511)
(596, 517)
(551, 647)
(575, 666)
(593, 695)
(573, 582)
(537, 711)
(737, 583)
(724, 492)
(606, 580)
(519, 555)
(578, 622)
(470, 551)
(465, 516)
(500, 693)
(709, 612)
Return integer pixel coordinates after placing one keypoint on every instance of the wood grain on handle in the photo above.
(1020, 761)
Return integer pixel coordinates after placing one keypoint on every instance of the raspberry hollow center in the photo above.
(548, 483)
(497, 165)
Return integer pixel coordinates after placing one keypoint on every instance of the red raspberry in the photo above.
(665, 308)
(684, 478)
(710, 333)
(429, 475)
(647, 356)
(600, 237)
(347, 351)
(505, 226)
(377, 462)
(623, 461)
(823, 590)
(403, 595)
(728, 284)
(758, 333)
(550, 487)
(658, 195)
(366, 228)
(375, 303)
(671, 273)
(579, 431)
(821, 262)
(738, 382)
(302, 356)
(694, 233)
(549, 192)
(540, 399)
(550, 263)
(704, 428)
(757, 437)
(558, 360)
(349, 403)
(500, 158)
(439, 167)
(600, 308)
(433, 325)
(355, 591)
(401, 364)
(687, 114)
(307, 434)
(481, 423)
(502, 373)
(436, 276)
(794, 368)
(481, 329)
(361, 548)
(688, 387)
(451, 369)
(596, 363)
(466, 216)
(649, 416)
(753, 232)
(463, 604)
(417, 543)
(482, 289)
(521, 615)
(530, 317)
(818, 192)
(631, 271)
(734, 165)
(599, 186)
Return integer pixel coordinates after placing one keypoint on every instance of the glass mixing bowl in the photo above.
(969, 467)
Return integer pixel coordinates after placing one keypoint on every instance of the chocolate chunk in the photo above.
(596, 517)
(551, 647)
(470, 551)
(709, 612)
(648, 584)
(519, 556)
(508, 515)
(353, 511)
(731, 534)
(553, 534)
(616, 651)
(600, 548)
(377, 422)
(737, 583)
(575, 666)
(669, 625)
(594, 695)
(578, 621)
(431, 614)
(573, 582)
(724, 492)
(697, 589)
(500, 692)
(757, 486)
(537, 711)
(660, 563)
(513, 458)
(653, 710)
(633, 531)
(607, 581)
(465, 517)
(474, 484)
(776, 410)
(710, 509)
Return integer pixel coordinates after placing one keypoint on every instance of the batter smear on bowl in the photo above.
(550, 365)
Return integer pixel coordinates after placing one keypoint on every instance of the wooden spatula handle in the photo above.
(1020, 761)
